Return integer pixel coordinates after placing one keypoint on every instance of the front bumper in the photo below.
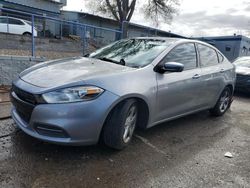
(68, 124)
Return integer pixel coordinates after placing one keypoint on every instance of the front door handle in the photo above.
(196, 76)
(222, 70)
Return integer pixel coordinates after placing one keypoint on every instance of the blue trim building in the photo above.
(231, 46)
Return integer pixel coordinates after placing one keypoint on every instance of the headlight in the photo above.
(74, 94)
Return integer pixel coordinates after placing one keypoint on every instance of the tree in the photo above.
(123, 10)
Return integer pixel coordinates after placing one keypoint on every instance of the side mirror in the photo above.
(173, 67)
(170, 67)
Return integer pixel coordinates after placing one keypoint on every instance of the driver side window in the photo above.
(185, 54)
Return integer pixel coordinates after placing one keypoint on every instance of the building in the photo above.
(47, 7)
(103, 36)
(231, 46)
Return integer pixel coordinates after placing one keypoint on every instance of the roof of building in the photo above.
(33, 7)
(131, 24)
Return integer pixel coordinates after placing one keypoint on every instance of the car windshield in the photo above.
(132, 52)
(243, 62)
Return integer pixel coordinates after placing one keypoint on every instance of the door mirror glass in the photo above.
(172, 67)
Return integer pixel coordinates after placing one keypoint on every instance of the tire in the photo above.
(120, 125)
(223, 103)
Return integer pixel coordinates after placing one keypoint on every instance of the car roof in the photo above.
(12, 18)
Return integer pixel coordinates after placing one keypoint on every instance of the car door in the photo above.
(212, 74)
(3, 24)
(16, 26)
(179, 93)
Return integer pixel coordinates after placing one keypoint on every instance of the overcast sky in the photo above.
(197, 17)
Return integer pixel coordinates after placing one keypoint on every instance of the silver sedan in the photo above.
(131, 83)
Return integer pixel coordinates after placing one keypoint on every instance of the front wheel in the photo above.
(120, 125)
(223, 103)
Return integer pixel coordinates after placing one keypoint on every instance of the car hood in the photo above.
(242, 70)
(63, 72)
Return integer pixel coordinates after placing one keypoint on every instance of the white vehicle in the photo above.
(16, 26)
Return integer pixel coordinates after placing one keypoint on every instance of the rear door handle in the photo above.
(222, 70)
(196, 76)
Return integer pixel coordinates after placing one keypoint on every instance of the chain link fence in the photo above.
(27, 34)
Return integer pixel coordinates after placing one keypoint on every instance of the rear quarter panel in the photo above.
(229, 75)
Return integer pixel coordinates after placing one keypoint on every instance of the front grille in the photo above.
(50, 130)
(24, 95)
(24, 103)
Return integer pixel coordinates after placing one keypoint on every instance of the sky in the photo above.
(196, 18)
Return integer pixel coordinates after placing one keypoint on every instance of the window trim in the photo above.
(197, 61)
(216, 51)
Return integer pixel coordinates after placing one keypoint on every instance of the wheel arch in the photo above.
(27, 32)
(230, 86)
(144, 112)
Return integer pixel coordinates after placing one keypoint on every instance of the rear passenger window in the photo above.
(208, 56)
(15, 22)
(3, 20)
(185, 54)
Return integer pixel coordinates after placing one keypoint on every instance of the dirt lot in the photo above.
(46, 54)
(188, 152)
(50, 48)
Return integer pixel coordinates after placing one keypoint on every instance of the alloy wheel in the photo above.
(130, 124)
(224, 101)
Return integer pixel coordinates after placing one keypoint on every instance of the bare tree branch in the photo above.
(112, 10)
(131, 10)
(119, 5)
(123, 10)
(161, 10)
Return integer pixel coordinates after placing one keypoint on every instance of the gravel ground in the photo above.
(188, 152)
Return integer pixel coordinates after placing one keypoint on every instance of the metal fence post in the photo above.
(83, 39)
(8, 27)
(122, 30)
(33, 38)
(61, 30)
(86, 38)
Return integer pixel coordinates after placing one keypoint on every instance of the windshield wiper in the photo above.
(122, 62)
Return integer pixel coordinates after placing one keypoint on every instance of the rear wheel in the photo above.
(120, 125)
(27, 34)
(223, 103)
